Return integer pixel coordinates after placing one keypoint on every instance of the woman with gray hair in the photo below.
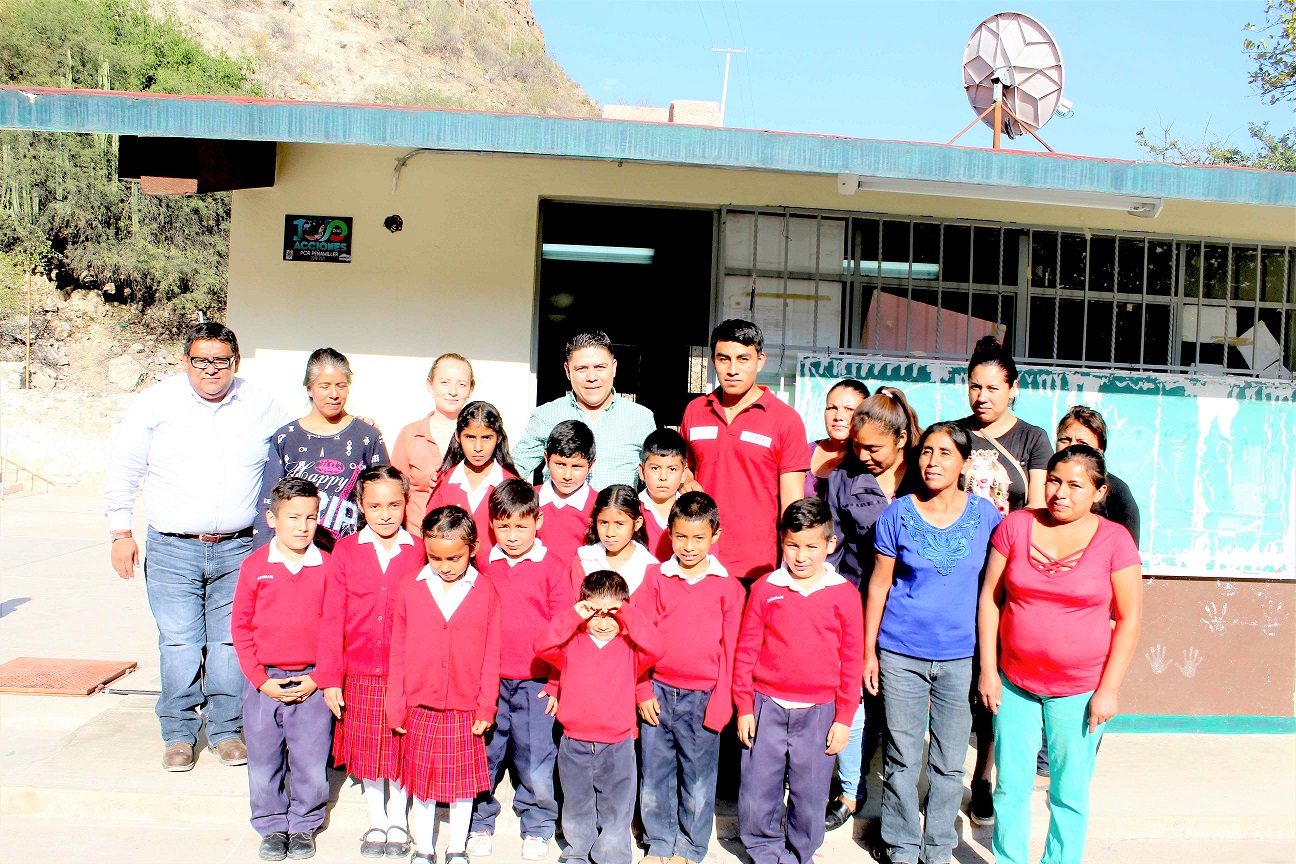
(328, 446)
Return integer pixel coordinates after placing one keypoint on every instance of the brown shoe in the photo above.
(231, 751)
(178, 757)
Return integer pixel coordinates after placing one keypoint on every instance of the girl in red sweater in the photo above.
(615, 540)
(476, 461)
(355, 642)
(444, 681)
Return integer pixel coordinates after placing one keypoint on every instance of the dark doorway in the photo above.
(655, 312)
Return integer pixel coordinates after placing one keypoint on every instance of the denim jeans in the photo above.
(681, 759)
(598, 783)
(919, 694)
(521, 739)
(867, 730)
(190, 588)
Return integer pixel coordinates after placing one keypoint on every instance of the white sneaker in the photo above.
(535, 848)
(479, 843)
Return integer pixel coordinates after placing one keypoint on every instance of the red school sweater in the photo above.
(355, 630)
(563, 531)
(276, 614)
(699, 626)
(532, 593)
(444, 665)
(447, 493)
(596, 696)
(802, 649)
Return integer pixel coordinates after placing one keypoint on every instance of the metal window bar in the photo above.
(1084, 328)
(1143, 305)
(967, 339)
(1057, 289)
(1255, 325)
(909, 290)
(940, 299)
(1115, 294)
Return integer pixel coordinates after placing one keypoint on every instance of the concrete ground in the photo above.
(79, 777)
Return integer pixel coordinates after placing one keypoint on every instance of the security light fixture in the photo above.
(597, 254)
(1135, 205)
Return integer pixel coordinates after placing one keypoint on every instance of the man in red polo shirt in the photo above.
(749, 450)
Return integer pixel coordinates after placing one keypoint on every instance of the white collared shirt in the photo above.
(201, 462)
(600, 643)
(650, 509)
(671, 567)
(385, 555)
(594, 557)
(830, 577)
(311, 558)
(535, 553)
(447, 597)
(459, 477)
(549, 495)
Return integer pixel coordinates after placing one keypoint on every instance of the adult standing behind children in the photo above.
(421, 445)
(749, 450)
(828, 452)
(1083, 425)
(328, 447)
(620, 425)
(199, 442)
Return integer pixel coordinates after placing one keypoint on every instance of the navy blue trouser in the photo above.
(523, 739)
(681, 759)
(288, 750)
(598, 783)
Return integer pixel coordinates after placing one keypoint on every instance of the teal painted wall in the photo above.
(1211, 461)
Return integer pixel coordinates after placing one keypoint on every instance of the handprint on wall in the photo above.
(1156, 657)
(1192, 658)
(1214, 618)
(1271, 616)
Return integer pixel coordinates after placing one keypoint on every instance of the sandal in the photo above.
(420, 858)
(371, 848)
(396, 848)
(456, 858)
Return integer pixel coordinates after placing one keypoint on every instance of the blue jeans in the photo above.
(920, 693)
(598, 783)
(681, 759)
(867, 729)
(190, 588)
(523, 739)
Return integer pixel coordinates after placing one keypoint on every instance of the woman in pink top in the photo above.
(1053, 654)
(421, 445)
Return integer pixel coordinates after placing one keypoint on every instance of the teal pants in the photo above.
(1071, 747)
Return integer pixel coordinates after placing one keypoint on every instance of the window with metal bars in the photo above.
(914, 287)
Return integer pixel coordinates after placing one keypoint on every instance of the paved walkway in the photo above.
(80, 774)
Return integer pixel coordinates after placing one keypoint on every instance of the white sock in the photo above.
(423, 820)
(460, 819)
(375, 796)
(397, 804)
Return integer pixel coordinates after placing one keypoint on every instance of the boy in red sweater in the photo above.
(566, 498)
(797, 678)
(697, 607)
(662, 465)
(275, 621)
(534, 589)
(601, 647)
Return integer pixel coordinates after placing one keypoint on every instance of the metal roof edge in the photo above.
(243, 118)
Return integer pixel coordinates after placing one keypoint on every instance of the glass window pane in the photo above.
(1072, 276)
(1244, 273)
(1161, 268)
(1271, 275)
(1192, 269)
(1216, 271)
(1156, 335)
(1129, 274)
(1043, 260)
(760, 299)
(954, 267)
(1102, 263)
(1039, 340)
(1098, 331)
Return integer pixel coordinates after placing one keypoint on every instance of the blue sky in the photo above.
(893, 69)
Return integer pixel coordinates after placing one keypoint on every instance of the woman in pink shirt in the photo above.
(1053, 655)
(422, 445)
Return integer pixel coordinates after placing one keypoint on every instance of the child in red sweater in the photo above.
(444, 681)
(566, 498)
(367, 569)
(533, 588)
(476, 461)
(601, 647)
(615, 540)
(697, 607)
(797, 678)
(662, 464)
(275, 629)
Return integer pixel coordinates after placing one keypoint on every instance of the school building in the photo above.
(1164, 295)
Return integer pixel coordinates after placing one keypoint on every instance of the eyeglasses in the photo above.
(213, 362)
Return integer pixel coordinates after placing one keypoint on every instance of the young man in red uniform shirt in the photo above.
(566, 498)
(749, 450)
(278, 603)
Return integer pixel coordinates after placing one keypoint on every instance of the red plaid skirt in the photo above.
(442, 759)
(362, 742)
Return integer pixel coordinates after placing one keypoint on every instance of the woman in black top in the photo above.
(1083, 425)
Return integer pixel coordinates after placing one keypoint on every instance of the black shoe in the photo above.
(396, 847)
(274, 847)
(301, 844)
(981, 808)
(837, 815)
(374, 843)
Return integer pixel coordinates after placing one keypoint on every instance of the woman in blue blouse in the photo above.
(919, 638)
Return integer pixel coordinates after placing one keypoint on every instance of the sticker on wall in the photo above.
(317, 238)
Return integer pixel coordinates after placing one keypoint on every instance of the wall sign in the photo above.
(317, 238)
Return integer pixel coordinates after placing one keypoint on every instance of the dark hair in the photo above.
(851, 384)
(890, 411)
(484, 414)
(472, 378)
(590, 339)
(989, 352)
(571, 438)
(619, 497)
(323, 358)
(1089, 419)
(379, 474)
(740, 331)
(805, 514)
(695, 507)
(1095, 465)
(211, 330)
(664, 442)
(449, 522)
(513, 497)
(289, 488)
(605, 584)
(962, 440)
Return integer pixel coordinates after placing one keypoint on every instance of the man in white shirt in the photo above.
(199, 443)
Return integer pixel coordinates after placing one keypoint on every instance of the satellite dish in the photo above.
(1012, 72)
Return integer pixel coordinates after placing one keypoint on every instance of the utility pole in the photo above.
(724, 92)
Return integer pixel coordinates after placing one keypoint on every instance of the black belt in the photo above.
(211, 538)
